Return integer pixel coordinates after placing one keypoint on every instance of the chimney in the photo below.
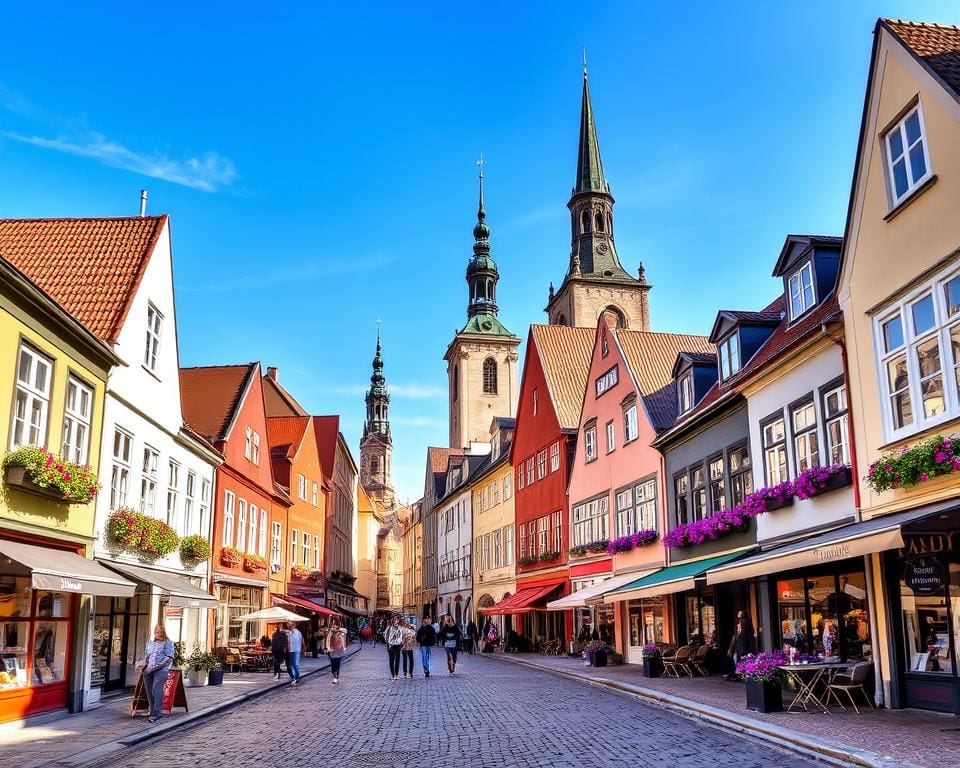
(272, 374)
(143, 203)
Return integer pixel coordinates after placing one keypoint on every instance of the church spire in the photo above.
(482, 274)
(589, 166)
(378, 398)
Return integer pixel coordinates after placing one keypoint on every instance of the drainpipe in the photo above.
(867, 559)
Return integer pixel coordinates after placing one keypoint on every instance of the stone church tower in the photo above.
(376, 445)
(482, 358)
(595, 279)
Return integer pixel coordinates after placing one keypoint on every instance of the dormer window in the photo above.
(729, 351)
(606, 381)
(685, 392)
(801, 291)
(908, 162)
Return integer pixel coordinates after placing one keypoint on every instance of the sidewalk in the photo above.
(73, 740)
(883, 737)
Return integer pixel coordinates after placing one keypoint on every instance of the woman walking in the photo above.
(393, 636)
(278, 647)
(741, 644)
(336, 647)
(450, 637)
(158, 657)
(406, 648)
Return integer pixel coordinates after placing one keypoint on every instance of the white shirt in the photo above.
(294, 641)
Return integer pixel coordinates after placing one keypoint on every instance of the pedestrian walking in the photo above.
(278, 647)
(406, 648)
(741, 644)
(157, 660)
(473, 635)
(427, 638)
(294, 649)
(393, 636)
(336, 647)
(450, 636)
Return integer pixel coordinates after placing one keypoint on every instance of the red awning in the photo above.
(309, 605)
(523, 601)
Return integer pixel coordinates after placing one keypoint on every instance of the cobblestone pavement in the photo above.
(487, 715)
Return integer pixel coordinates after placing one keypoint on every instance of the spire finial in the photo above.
(584, 62)
(481, 214)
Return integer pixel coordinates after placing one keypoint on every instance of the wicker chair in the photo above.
(851, 681)
(679, 662)
(698, 658)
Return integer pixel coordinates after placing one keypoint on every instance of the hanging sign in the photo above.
(925, 575)
(174, 694)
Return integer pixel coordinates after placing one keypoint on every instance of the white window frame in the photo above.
(912, 183)
(276, 542)
(943, 325)
(31, 400)
(590, 443)
(315, 494)
(806, 441)
(262, 548)
(636, 507)
(508, 547)
(775, 449)
(189, 499)
(302, 486)
(799, 304)
(254, 530)
(241, 525)
(256, 449)
(305, 548)
(685, 392)
(728, 361)
(316, 552)
(530, 471)
(541, 464)
(837, 450)
(77, 415)
(607, 381)
(120, 473)
(173, 491)
(591, 521)
(204, 505)
(247, 443)
(149, 477)
(294, 543)
(554, 456)
(229, 503)
(631, 428)
(611, 431)
(507, 486)
(151, 350)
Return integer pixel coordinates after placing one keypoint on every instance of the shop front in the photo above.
(532, 623)
(43, 590)
(237, 598)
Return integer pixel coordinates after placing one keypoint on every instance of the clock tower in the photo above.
(482, 358)
(376, 445)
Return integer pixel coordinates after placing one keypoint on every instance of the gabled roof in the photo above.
(91, 267)
(694, 358)
(327, 431)
(437, 460)
(276, 400)
(794, 243)
(565, 356)
(211, 396)
(651, 357)
(727, 317)
(936, 47)
(286, 432)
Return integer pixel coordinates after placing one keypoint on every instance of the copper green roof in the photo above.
(486, 324)
(589, 166)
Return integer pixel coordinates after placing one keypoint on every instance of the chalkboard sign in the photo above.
(925, 576)
(174, 695)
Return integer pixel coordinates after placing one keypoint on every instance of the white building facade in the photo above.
(454, 542)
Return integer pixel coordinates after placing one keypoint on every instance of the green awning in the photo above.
(676, 578)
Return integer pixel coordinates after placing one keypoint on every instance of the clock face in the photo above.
(602, 248)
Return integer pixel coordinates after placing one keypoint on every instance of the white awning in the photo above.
(595, 592)
(61, 571)
(179, 592)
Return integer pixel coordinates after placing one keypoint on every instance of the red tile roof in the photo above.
(935, 45)
(210, 396)
(565, 354)
(91, 267)
(438, 457)
(277, 401)
(327, 430)
(286, 432)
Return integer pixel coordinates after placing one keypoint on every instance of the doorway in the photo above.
(111, 639)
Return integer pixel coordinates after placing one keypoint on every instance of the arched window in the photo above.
(490, 376)
(490, 290)
(599, 222)
(374, 465)
(621, 321)
(456, 382)
(585, 222)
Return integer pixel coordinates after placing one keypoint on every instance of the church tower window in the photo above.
(585, 222)
(489, 376)
(374, 465)
(599, 222)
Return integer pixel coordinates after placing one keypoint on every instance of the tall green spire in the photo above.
(589, 166)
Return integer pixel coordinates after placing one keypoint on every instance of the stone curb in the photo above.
(786, 738)
(94, 754)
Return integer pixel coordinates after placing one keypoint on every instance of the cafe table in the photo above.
(807, 677)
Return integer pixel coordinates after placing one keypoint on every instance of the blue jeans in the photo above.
(293, 665)
(154, 682)
(425, 657)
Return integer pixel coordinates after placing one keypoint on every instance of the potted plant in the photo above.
(578, 551)
(817, 480)
(598, 546)
(526, 560)
(299, 573)
(652, 661)
(596, 653)
(231, 557)
(764, 681)
(253, 563)
(193, 549)
(198, 666)
(35, 470)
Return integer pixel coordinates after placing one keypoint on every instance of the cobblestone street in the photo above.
(488, 715)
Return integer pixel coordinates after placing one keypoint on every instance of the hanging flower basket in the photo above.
(141, 533)
(911, 466)
(193, 549)
(775, 497)
(817, 480)
(36, 471)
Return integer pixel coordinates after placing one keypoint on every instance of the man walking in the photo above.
(294, 649)
(427, 638)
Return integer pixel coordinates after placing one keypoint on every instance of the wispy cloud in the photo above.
(208, 172)
(20, 105)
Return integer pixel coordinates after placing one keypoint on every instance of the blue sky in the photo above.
(318, 162)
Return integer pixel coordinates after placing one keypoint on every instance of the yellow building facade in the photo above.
(494, 569)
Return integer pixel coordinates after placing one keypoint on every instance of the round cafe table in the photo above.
(806, 677)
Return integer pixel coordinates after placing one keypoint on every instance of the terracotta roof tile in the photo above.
(91, 267)
(651, 357)
(277, 401)
(935, 45)
(565, 353)
(210, 396)
(438, 457)
(327, 431)
(286, 432)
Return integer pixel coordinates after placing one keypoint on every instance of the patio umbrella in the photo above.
(273, 614)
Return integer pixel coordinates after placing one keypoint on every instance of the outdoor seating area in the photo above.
(686, 660)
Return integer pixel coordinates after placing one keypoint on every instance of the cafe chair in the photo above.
(698, 659)
(679, 662)
(234, 660)
(850, 681)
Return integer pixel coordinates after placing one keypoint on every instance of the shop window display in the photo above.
(645, 621)
(928, 622)
(34, 628)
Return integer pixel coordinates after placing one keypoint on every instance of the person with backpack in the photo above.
(336, 647)
(450, 636)
(427, 638)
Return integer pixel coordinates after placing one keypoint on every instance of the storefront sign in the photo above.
(929, 544)
(925, 575)
(835, 552)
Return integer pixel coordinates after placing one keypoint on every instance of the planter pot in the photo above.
(17, 477)
(836, 481)
(215, 677)
(772, 505)
(598, 659)
(764, 696)
(195, 679)
(652, 666)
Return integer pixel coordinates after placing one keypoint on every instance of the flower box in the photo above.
(148, 537)
(193, 549)
(19, 478)
(652, 666)
(254, 563)
(911, 466)
(578, 551)
(39, 472)
(230, 557)
(764, 695)
(773, 504)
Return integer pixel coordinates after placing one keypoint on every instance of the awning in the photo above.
(854, 540)
(240, 581)
(355, 612)
(522, 601)
(594, 593)
(667, 581)
(301, 603)
(62, 571)
(180, 592)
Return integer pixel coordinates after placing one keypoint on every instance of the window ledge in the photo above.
(631, 440)
(152, 373)
(895, 211)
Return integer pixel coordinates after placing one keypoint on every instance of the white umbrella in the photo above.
(273, 614)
